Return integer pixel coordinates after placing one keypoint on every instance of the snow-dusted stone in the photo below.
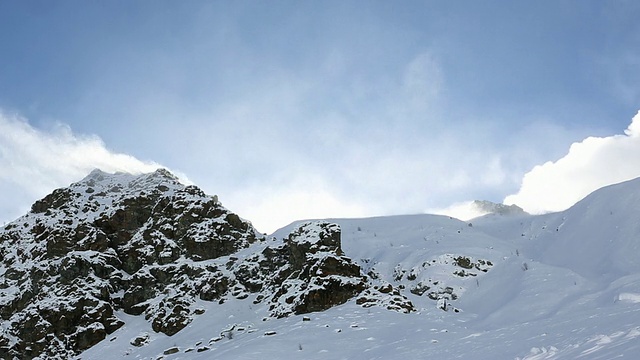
(311, 238)
(317, 276)
(110, 242)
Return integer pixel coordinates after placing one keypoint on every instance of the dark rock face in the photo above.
(311, 273)
(150, 246)
(99, 246)
(317, 276)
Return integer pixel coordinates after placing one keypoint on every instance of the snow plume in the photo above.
(589, 165)
(464, 211)
(34, 162)
(303, 196)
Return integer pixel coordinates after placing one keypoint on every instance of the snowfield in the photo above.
(515, 286)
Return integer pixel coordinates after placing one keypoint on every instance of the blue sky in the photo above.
(291, 110)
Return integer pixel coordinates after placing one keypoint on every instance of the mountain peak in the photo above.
(147, 244)
(106, 243)
(488, 207)
(99, 190)
(98, 176)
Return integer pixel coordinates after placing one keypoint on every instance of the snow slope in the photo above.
(556, 286)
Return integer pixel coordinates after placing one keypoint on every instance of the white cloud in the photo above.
(589, 165)
(464, 211)
(34, 162)
(301, 197)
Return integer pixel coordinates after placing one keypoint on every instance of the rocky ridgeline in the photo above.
(151, 246)
(488, 207)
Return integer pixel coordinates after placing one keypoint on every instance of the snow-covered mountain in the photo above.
(148, 246)
(119, 266)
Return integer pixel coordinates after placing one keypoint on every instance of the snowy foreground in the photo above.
(560, 286)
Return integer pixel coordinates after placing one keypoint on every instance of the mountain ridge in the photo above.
(149, 245)
(126, 263)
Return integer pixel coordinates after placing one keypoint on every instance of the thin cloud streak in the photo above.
(34, 162)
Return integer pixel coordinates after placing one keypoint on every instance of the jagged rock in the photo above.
(171, 350)
(58, 199)
(419, 289)
(140, 340)
(104, 244)
(489, 207)
(310, 239)
(318, 276)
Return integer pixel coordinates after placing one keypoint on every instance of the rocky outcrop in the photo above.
(108, 242)
(308, 272)
(488, 207)
(317, 276)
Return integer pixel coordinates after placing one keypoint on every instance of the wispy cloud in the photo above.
(300, 196)
(399, 154)
(590, 164)
(465, 210)
(34, 162)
